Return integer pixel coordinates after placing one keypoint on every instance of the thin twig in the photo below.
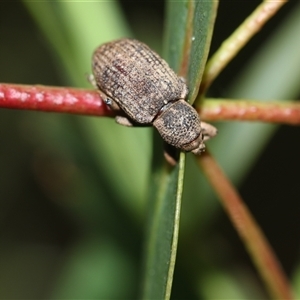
(254, 240)
(238, 40)
(89, 102)
(286, 112)
(53, 99)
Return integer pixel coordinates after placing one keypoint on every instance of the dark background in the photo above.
(271, 188)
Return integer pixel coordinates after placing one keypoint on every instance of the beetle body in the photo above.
(135, 80)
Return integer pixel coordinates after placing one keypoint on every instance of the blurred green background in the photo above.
(73, 189)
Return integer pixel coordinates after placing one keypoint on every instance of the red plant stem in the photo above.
(89, 102)
(257, 245)
(53, 99)
(287, 112)
(184, 64)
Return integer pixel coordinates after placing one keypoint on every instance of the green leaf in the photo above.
(80, 27)
(163, 232)
(188, 36)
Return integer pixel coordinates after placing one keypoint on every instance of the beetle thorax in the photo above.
(179, 125)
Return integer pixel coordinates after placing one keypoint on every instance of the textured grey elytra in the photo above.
(138, 82)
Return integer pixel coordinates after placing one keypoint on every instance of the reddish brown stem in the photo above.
(184, 64)
(89, 102)
(287, 112)
(259, 249)
(53, 99)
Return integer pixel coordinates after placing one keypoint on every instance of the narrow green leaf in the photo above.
(188, 35)
(203, 24)
(163, 234)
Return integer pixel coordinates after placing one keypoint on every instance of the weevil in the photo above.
(137, 83)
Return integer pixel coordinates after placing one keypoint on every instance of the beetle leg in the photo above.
(208, 131)
(91, 79)
(123, 121)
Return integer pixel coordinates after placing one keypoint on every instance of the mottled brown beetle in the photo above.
(135, 80)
